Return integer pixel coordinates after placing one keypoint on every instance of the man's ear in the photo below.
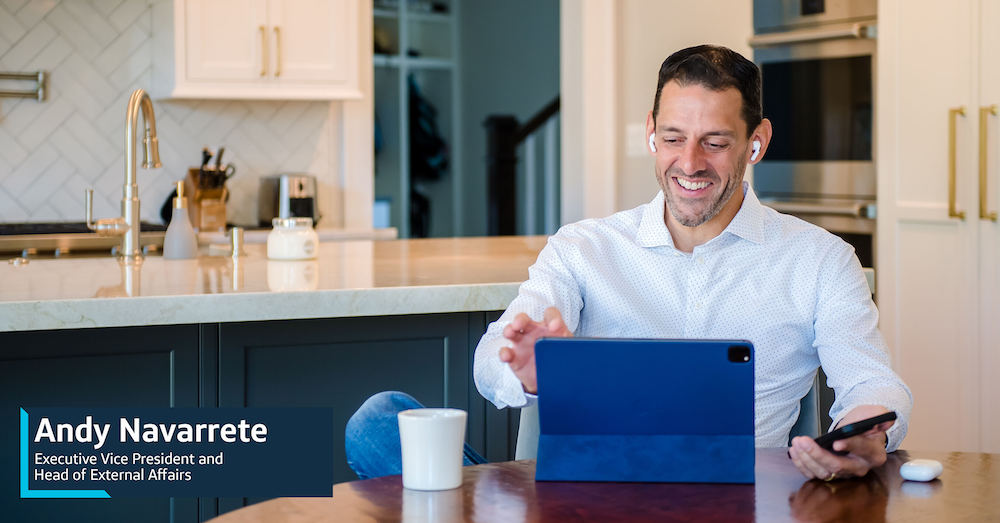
(651, 133)
(761, 134)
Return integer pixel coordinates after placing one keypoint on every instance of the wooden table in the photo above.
(968, 490)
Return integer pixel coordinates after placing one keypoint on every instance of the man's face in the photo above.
(701, 150)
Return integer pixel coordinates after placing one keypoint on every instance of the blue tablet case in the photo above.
(644, 411)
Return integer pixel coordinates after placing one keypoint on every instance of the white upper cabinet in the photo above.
(223, 41)
(259, 49)
(310, 38)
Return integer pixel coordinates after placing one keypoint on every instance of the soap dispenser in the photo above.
(180, 242)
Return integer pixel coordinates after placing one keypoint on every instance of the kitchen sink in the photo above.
(46, 240)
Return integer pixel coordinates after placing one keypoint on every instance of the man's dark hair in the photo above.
(717, 68)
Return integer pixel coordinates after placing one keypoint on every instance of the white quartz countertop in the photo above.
(325, 235)
(352, 278)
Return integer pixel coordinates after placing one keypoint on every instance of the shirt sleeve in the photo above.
(551, 283)
(851, 348)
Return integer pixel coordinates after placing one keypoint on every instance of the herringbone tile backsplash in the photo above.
(97, 52)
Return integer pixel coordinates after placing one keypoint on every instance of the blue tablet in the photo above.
(645, 410)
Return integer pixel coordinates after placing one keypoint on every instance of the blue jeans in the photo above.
(372, 436)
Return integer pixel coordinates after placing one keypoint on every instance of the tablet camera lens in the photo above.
(739, 354)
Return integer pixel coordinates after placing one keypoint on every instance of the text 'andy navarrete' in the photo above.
(129, 430)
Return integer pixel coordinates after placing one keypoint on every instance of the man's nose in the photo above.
(692, 159)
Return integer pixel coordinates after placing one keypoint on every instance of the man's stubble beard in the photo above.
(717, 205)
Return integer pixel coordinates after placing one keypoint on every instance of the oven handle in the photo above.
(853, 210)
(858, 30)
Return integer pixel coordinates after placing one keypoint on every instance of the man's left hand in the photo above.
(867, 450)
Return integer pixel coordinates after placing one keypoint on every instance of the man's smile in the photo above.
(692, 188)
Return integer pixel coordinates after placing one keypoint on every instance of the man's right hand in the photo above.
(522, 333)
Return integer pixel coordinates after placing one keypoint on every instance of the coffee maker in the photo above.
(287, 196)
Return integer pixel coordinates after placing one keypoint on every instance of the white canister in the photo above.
(292, 239)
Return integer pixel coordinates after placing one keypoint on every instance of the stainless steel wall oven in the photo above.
(817, 59)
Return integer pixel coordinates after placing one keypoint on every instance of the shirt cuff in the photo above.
(892, 436)
(532, 400)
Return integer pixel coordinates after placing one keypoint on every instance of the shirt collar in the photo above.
(653, 230)
(747, 224)
(749, 220)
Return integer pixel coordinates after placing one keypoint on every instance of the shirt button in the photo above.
(701, 261)
(697, 305)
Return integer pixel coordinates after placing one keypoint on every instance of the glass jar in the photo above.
(292, 239)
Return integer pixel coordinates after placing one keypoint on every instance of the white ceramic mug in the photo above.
(432, 444)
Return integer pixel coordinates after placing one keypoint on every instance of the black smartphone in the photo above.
(858, 427)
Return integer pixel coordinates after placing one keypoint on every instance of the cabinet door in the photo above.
(339, 363)
(989, 230)
(313, 40)
(927, 261)
(226, 39)
(154, 366)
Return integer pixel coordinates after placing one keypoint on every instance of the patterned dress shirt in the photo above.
(793, 289)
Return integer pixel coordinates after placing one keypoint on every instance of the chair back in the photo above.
(528, 431)
(808, 423)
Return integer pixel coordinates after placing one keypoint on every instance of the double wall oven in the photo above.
(817, 59)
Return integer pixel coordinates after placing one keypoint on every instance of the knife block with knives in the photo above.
(208, 204)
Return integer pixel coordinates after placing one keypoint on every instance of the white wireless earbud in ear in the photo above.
(652, 147)
(756, 150)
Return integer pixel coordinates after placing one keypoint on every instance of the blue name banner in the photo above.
(164, 452)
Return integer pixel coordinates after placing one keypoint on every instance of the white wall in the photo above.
(587, 84)
(97, 53)
(647, 32)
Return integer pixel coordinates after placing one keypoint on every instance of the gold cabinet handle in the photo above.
(263, 51)
(984, 115)
(953, 114)
(277, 49)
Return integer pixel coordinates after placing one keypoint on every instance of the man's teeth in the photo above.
(690, 185)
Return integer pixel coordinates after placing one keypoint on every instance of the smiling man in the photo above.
(704, 259)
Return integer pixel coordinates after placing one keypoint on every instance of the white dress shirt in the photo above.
(794, 290)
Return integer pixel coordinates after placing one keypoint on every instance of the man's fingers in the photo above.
(554, 323)
(868, 450)
(882, 427)
(556, 327)
(522, 332)
(516, 359)
(802, 446)
(794, 454)
(824, 463)
(814, 467)
(522, 320)
(523, 328)
(517, 327)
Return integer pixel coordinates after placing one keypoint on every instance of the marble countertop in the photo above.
(353, 278)
(325, 235)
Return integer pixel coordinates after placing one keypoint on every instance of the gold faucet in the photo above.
(127, 225)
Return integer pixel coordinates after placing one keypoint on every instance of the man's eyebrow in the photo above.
(727, 134)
